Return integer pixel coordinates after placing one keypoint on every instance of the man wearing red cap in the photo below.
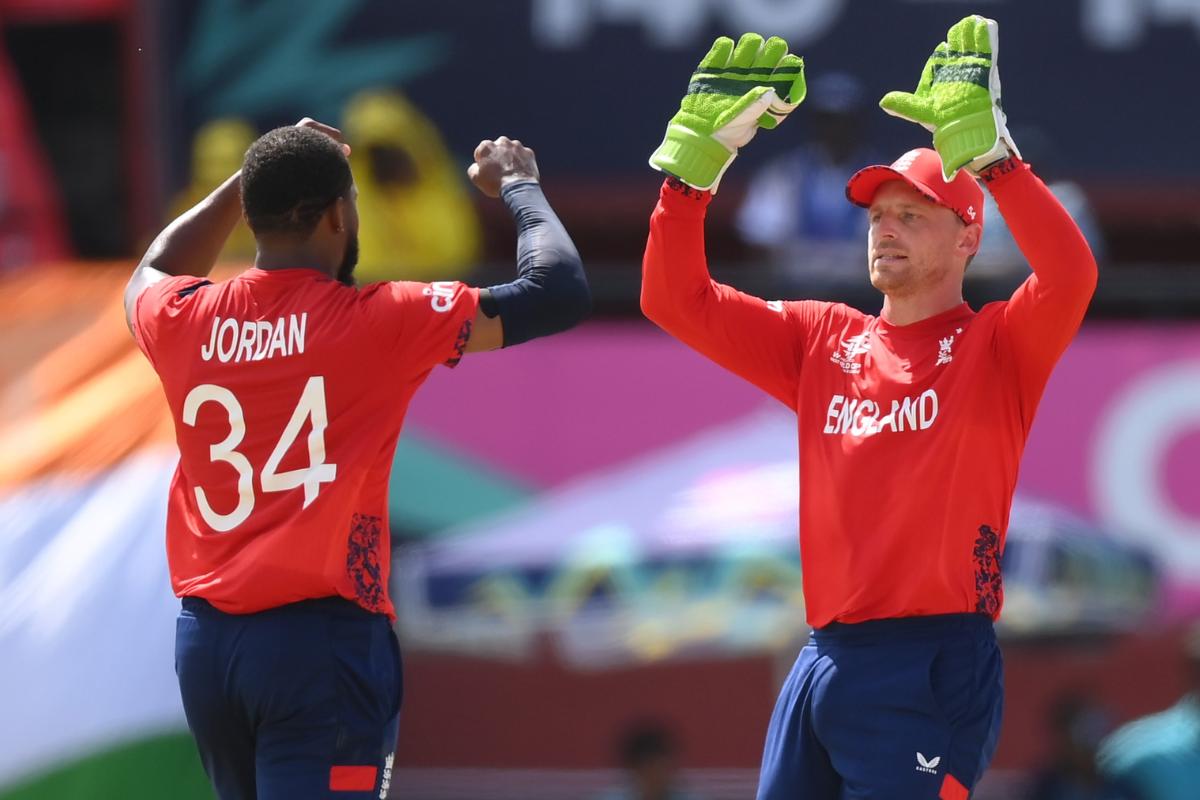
(911, 423)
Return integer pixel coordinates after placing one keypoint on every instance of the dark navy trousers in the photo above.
(896, 709)
(300, 701)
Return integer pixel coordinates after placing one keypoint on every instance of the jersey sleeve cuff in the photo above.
(135, 327)
(677, 197)
(1003, 172)
(459, 348)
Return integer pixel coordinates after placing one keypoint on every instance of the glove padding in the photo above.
(958, 98)
(733, 92)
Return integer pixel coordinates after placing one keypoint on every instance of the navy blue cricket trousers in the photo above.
(300, 701)
(895, 709)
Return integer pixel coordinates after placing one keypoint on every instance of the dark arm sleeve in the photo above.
(550, 293)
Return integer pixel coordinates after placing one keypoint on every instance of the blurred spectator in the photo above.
(648, 751)
(1078, 727)
(796, 207)
(217, 152)
(32, 226)
(998, 254)
(417, 222)
(1158, 756)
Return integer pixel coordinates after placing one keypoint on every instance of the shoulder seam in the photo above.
(191, 289)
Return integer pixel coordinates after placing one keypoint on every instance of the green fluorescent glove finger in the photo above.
(957, 37)
(968, 36)
(773, 50)
(718, 54)
(787, 65)
(983, 41)
(768, 122)
(898, 101)
(908, 106)
(941, 53)
(746, 50)
(799, 89)
(743, 102)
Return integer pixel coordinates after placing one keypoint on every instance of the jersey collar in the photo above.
(292, 273)
(928, 326)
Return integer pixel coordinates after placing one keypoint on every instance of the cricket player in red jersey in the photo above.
(911, 423)
(288, 387)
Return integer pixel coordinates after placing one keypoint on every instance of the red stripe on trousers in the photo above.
(353, 779)
(952, 789)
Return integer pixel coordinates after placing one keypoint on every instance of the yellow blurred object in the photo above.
(416, 221)
(217, 152)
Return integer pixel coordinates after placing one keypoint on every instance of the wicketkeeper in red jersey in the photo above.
(911, 423)
(288, 386)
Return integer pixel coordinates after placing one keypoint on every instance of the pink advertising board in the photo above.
(1117, 436)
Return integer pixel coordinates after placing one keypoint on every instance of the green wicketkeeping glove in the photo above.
(733, 92)
(958, 99)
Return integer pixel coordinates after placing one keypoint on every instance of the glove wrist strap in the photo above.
(696, 159)
(969, 140)
(999, 169)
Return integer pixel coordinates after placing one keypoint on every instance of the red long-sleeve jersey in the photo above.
(288, 391)
(910, 435)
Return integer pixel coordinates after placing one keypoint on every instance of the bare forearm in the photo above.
(191, 243)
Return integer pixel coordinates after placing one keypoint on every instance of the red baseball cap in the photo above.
(922, 170)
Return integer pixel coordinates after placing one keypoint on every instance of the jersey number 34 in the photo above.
(311, 405)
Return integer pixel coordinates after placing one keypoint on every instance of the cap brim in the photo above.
(863, 185)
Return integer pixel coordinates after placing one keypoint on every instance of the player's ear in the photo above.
(969, 238)
(336, 215)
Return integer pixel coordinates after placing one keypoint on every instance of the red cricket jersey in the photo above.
(288, 391)
(910, 436)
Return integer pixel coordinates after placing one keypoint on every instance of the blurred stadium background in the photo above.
(637, 564)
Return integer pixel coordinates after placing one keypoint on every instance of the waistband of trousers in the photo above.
(331, 606)
(904, 629)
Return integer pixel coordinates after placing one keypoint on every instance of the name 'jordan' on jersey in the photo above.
(910, 436)
(282, 385)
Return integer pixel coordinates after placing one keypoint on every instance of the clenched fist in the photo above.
(501, 162)
(328, 130)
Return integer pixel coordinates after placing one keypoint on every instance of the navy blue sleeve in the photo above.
(550, 293)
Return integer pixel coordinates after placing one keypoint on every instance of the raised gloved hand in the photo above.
(958, 98)
(734, 92)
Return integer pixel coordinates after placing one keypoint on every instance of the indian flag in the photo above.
(88, 697)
